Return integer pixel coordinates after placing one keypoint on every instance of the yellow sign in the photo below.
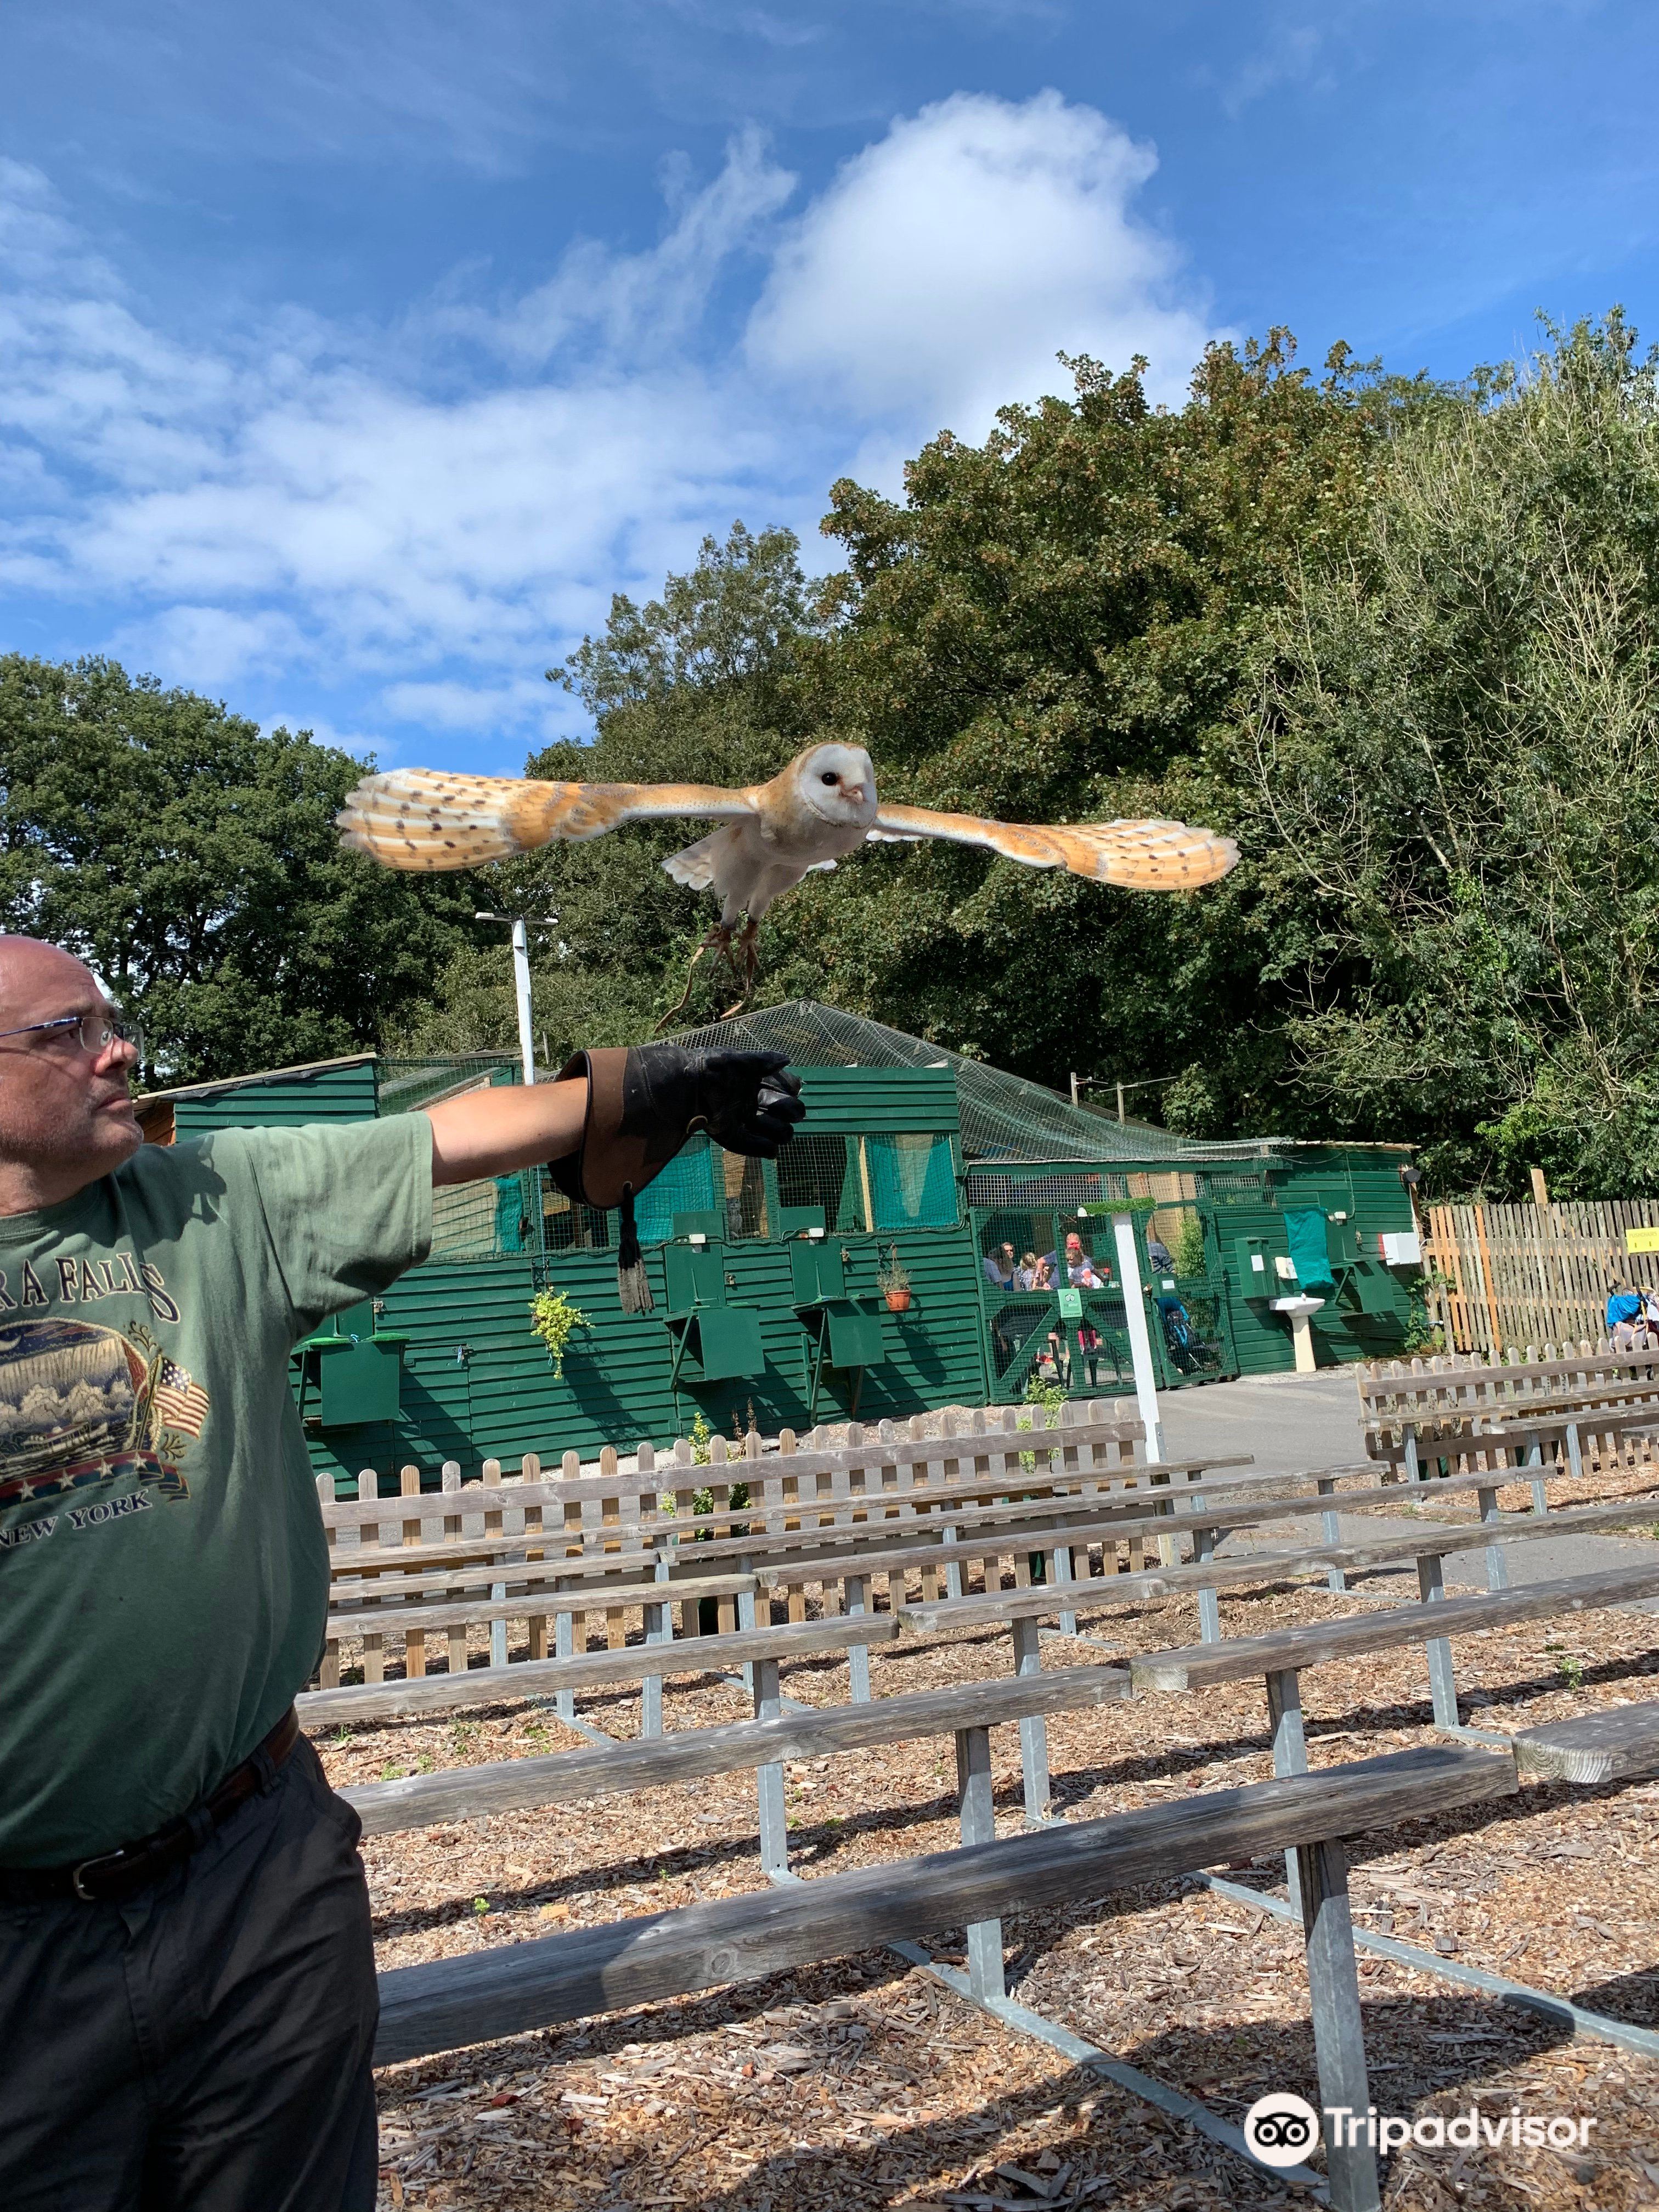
(1642, 1240)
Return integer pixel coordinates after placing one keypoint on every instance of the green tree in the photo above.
(195, 864)
(1453, 776)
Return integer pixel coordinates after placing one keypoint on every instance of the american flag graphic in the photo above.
(182, 1404)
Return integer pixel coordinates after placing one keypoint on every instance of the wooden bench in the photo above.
(1427, 1410)
(1427, 1545)
(1599, 1748)
(511, 1988)
(513, 1784)
(1614, 1746)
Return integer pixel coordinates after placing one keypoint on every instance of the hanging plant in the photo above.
(893, 1280)
(555, 1318)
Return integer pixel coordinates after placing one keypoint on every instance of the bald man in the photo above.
(187, 1996)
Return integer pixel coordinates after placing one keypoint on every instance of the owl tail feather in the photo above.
(695, 866)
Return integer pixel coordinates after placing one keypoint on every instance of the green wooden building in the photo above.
(780, 1288)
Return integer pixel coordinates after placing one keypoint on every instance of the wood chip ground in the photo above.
(864, 2083)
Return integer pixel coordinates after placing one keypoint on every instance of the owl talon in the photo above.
(719, 939)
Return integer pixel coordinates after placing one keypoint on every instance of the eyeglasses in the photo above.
(94, 1033)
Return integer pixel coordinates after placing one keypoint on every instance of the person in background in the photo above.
(1157, 1255)
(1633, 1325)
(1082, 1272)
(999, 1266)
(1026, 1274)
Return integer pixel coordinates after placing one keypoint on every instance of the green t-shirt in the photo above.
(163, 1569)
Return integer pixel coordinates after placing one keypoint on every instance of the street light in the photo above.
(521, 926)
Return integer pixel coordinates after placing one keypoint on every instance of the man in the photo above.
(187, 1999)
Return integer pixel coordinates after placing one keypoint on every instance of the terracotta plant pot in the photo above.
(898, 1301)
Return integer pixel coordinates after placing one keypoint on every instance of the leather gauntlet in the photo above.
(644, 1103)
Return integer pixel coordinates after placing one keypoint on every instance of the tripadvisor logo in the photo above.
(1280, 2129)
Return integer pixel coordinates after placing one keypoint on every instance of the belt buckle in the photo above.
(88, 1866)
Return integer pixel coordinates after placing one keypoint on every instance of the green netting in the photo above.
(690, 1183)
(1004, 1117)
(913, 1184)
(403, 1086)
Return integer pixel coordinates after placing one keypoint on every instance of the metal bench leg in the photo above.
(1339, 2030)
(1330, 1524)
(1536, 1458)
(746, 1620)
(952, 1571)
(1289, 1752)
(1059, 1570)
(979, 1826)
(1575, 1450)
(1443, 1687)
(658, 1630)
(1497, 1571)
(1413, 1465)
(498, 1630)
(1033, 1728)
(858, 1658)
(1209, 1608)
(564, 1647)
(769, 1780)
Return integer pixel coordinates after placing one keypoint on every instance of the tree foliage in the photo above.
(1451, 769)
(194, 863)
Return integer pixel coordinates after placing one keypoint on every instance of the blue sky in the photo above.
(352, 356)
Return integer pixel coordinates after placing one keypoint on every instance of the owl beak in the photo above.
(854, 792)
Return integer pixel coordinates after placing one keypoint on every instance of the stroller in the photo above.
(1183, 1348)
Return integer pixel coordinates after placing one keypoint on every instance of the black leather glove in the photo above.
(748, 1101)
(643, 1105)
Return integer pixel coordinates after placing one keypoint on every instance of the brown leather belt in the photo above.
(121, 1873)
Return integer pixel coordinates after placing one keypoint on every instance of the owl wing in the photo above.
(416, 818)
(1147, 856)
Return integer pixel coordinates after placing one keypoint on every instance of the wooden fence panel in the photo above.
(1507, 1276)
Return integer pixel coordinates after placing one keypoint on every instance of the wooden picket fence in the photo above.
(1502, 1275)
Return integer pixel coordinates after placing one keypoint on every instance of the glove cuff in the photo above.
(607, 1164)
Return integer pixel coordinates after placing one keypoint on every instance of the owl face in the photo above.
(838, 784)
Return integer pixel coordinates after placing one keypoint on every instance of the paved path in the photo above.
(1302, 1424)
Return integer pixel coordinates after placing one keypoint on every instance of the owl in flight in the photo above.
(811, 814)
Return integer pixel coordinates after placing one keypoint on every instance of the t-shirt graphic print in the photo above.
(80, 1407)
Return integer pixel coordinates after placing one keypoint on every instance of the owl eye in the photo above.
(829, 777)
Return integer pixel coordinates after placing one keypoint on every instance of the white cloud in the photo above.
(945, 266)
(413, 524)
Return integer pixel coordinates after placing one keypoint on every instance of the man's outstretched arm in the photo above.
(490, 1132)
(626, 1112)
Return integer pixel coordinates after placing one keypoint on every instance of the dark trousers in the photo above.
(204, 2047)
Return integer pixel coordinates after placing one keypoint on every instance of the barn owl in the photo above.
(811, 814)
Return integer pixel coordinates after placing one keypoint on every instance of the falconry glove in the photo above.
(644, 1103)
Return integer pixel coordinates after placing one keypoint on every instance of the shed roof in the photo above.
(1004, 1117)
(262, 1075)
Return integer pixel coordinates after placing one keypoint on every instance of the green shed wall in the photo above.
(331, 1094)
(1356, 1180)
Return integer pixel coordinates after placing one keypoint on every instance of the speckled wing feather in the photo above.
(1147, 856)
(416, 818)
